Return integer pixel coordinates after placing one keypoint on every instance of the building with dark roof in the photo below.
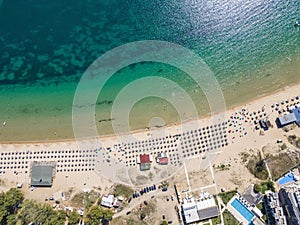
(251, 196)
(274, 210)
(208, 213)
(41, 175)
(289, 202)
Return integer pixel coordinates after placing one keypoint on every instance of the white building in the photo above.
(107, 201)
(195, 211)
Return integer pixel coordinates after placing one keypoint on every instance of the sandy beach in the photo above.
(235, 176)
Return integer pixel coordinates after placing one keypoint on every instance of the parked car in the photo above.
(129, 200)
(164, 189)
(127, 213)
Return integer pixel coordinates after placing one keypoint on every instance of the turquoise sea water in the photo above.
(251, 46)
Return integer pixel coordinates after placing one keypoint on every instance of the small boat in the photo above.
(297, 23)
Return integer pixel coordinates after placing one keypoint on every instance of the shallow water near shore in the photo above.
(252, 48)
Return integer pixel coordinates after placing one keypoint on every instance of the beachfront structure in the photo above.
(162, 158)
(41, 175)
(290, 118)
(144, 161)
(196, 211)
(265, 123)
(274, 210)
(244, 212)
(297, 115)
(107, 201)
(286, 120)
(290, 200)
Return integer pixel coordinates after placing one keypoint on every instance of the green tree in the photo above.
(11, 199)
(164, 223)
(40, 213)
(94, 216)
(97, 214)
(11, 219)
(73, 218)
(107, 214)
(9, 203)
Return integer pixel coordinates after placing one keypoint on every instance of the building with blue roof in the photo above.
(293, 117)
(297, 115)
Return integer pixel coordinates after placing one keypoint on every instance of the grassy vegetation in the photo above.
(84, 199)
(226, 196)
(283, 146)
(222, 167)
(264, 186)
(138, 216)
(257, 167)
(294, 140)
(150, 175)
(216, 220)
(229, 219)
(280, 164)
(245, 156)
(121, 189)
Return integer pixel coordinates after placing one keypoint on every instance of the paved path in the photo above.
(263, 158)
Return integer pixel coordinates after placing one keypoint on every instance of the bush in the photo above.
(257, 167)
(121, 189)
(227, 196)
(283, 146)
(264, 186)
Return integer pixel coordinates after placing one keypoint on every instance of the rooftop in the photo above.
(251, 196)
(194, 211)
(145, 166)
(144, 158)
(287, 119)
(297, 114)
(163, 161)
(41, 175)
(107, 201)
